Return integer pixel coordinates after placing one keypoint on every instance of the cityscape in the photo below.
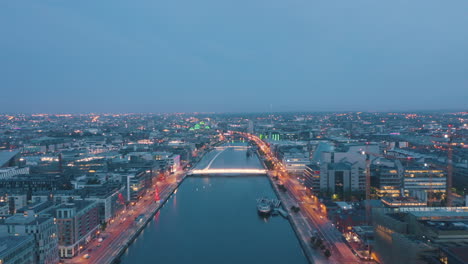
(350, 187)
(233, 132)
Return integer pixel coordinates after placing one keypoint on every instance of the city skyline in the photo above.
(247, 131)
(178, 188)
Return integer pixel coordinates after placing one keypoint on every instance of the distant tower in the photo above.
(250, 128)
(150, 125)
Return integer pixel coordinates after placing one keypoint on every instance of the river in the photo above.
(213, 219)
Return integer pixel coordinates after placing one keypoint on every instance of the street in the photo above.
(123, 226)
(308, 218)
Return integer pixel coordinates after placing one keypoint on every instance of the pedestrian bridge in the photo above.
(207, 167)
(232, 147)
(228, 171)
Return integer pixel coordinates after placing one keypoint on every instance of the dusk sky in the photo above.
(233, 56)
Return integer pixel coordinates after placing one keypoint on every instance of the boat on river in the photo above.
(263, 206)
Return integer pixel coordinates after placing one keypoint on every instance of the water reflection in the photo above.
(217, 226)
(214, 220)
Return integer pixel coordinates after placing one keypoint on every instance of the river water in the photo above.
(213, 219)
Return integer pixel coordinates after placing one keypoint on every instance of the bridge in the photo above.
(229, 171)
(232, 147)
(208, 170)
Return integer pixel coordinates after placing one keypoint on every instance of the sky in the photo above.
(66, 56)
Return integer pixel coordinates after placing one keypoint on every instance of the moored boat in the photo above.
(263, 206)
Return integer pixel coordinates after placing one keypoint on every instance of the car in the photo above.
(86, 256)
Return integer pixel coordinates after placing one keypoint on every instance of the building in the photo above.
(173, 163)
(250, 127)
(17, 250)
(136, 183)
(4, 209)
(9, 172)
(341, 179)
(15, 201)
(352, 152)
(110, 200)
(34, 182)
(387, 179)
(454, 255)
(295, 163)
(77, 223)
(293, 158)
(397, 202)
(419, 181)
(417, 234)
(44, 230)
(9, 158)
(311, 177)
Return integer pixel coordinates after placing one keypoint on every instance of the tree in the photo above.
(318, 242)
(327, 253)
(312, 240)
(269, 164)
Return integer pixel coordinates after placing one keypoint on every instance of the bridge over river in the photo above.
(229, 159)
(214, 220)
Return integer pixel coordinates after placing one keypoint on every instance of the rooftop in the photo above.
(9, 242)
(6, 155)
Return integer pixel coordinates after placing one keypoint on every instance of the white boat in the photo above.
(263, 206)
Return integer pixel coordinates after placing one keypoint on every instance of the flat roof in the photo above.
(6, 155)
(9, 242)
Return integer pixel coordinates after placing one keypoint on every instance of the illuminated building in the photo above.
(387, 179)
(295, 164)
(294, 158)
(418, 181)
(136, 183)
(77, 223)
(396, 202)
(311, 177)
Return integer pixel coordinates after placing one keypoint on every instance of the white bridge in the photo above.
(209, 170)
(229, 171)
(233, 147)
